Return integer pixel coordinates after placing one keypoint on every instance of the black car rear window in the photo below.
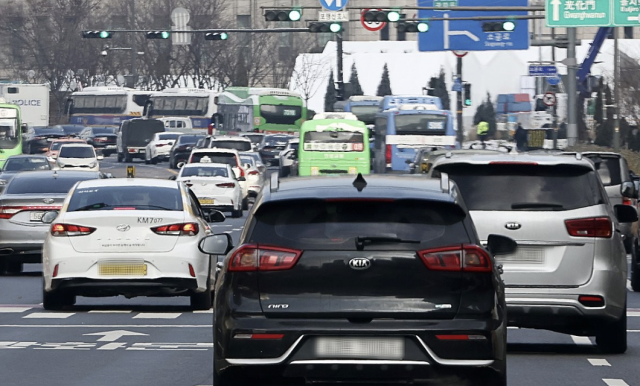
(126, 198)
(336, 224)
(184, 139)
(238, 145)
(216, 158)
(525, 187)
(45, 184)
(45, 131)
(103, 130)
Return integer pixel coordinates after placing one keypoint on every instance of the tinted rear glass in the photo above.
(44, 185)
(169, 136)
(72, 129)
(254, 138)
(330, 225)
(204, 171)
(23, 163)
(192, 139)
(238, 145)
(126, 197)
(43, 132)
(104, 130)
(525, 187)
(215, 158)
(609, 170)
(76, 152)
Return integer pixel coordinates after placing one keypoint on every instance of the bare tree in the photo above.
(309, 75)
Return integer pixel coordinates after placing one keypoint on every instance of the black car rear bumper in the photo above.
(132, 287)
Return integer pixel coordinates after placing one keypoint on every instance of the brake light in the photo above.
(467, 258)
(253, 173)
(261, 258)
(132, 150)
(388, 154)
(187, 229)
(590, 227)
(626, 201)
(591, 301)
(55, 271)
(6, 212)
(189, 184)
(226, 185)
(100, 140)
(161, 144)
(460, 337)
(60, 230)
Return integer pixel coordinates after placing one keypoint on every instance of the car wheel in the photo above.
(54, 300)
(226, 379)
(635, 270)
(128, 158)
(13, 268)
(612, 338)
(154, 160)
(120, 157)
(245, 203)
(236, 213)
(203, 301)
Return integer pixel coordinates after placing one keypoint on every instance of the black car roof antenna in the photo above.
(360, 182)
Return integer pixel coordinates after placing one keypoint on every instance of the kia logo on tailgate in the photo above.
(512, 226)
(360, 263)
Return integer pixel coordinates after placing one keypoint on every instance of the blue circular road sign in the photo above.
(553, 80)
(333, 5)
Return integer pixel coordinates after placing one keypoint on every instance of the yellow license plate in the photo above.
(123, 270)
(206, 201)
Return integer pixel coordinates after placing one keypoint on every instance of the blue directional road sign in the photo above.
(543, 71)
(333, 5)
(457, 85)
(554, 80)
(468, 35)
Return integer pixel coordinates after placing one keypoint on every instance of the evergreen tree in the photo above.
(439, 86)
(490, 116)
(385, 83)
(330, 98)
(355, 88)
(479, 115)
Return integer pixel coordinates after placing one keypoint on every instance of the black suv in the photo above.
(182, 148)
(337, 279)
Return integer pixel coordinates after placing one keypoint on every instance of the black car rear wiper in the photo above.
(98, 205)
(536, 205)
(361, 241)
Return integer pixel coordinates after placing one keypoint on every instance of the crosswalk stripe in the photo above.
(615, 382)
(48, 315)
(157, 315)
(209, 311)
(110, 311)
(581, 340)
(599, 362)
(14, 310)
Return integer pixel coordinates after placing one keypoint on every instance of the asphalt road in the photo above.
(159, 341)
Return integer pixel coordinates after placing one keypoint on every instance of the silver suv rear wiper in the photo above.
(536, 205)
(361, 241)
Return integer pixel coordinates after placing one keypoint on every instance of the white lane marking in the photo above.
(48, 315)
(237, 229)
(633, 313)
(513, 328)
(599, 362)
(209, 311)
(629, 285)
(112, 346)
(110, 311)
(14, 310)
(581, 340)
(615, 382)
(158, 315)
(107, 326)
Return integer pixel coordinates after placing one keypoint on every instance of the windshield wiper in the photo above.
(361, 241)
(155, 207)
(98, 205)
(536, 205)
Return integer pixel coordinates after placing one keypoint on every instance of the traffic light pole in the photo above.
(460, 133)
(134, 48)
(340, 80)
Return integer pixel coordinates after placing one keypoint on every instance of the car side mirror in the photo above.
(628, 190)
(173, 178)
(501, 245)
(636, 185)
(241, 179)
(216, 216)
(49, 217)
(219, 244)
(626, 213)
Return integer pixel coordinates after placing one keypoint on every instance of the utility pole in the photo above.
(572, 89)
(460, 133)
(616, 85)
(340, 74)
(134, 48)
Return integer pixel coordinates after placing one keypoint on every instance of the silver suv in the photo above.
(569, 272)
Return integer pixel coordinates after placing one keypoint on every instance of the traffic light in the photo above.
(467, 94)
(413, 26)
(283, 15)
(499, 26)
(96, 35)
(318, 27)
(158, 35)
(392, 16)
(216, 36)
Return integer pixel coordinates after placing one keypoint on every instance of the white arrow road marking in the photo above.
(112, 336)
(556, 9)
(615, 382)
(599, 362)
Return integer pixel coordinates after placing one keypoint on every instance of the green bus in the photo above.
(11, 130)
(259, 110)
(333, 147)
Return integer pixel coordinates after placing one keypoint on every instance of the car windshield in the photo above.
(215, 158)
(524, 187)
(204, 171)
(24, 163)
(168, 136)
(126, 198)
(77, 152)
(275, 142)
(45, 184)
(336, 224)
(237, 145)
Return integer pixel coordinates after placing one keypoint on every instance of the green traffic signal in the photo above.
(423, 27)
(105, 35)
(295, 15)
(165, 34)
(393, 16)
(96, 35)
(509, 26)
(467, 102)
(335, 27)
(320, 27)
(158, 35)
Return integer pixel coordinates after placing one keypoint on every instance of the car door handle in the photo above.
(500, 268)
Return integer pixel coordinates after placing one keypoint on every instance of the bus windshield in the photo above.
(420, 124)
(9, 136)
(342, 141)
(281, 114)
(366, 114)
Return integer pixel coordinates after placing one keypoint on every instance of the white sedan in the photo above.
(159, 148)
(131, 237)
(215, 185)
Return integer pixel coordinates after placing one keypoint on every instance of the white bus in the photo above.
(106, 106)
(197, 104)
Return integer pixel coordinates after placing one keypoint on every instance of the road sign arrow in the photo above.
(112, 336)
(556, 9)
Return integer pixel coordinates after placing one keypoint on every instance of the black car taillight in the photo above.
(466, 258)
(263, 258)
